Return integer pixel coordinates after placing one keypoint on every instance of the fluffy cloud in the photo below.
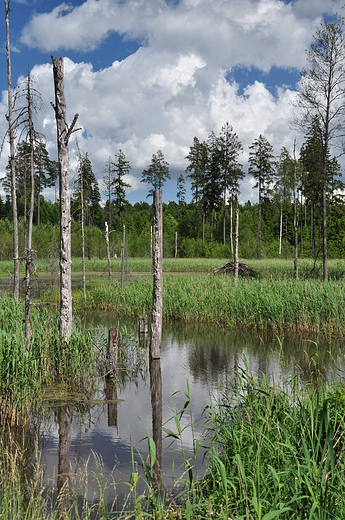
(175, 86)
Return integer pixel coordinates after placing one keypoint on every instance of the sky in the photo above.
(145, 75)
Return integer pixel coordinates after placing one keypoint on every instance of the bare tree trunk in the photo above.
(157, 268)
(25, 210)
(196, 216)
(280, 230)
(211, 225)
(31, 216)
(301, 225)
(12, 161)
(203, 221)
(224, 212)
(312, 228)
(100, 245)
(286, 239)
(295, 220)
(150, 242)
(324, 226)
(63, 135)
(175, 244)
(108, 252)
(82, 230)
(231, 238)
(123, 258)
(258, 242)
(236, 243)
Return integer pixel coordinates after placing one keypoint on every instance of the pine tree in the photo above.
(197, 158)
(120, 168)
(157, 173)
(261, 166)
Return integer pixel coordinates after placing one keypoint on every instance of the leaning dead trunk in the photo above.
(63, 134)
(12, 161)
(157, 267)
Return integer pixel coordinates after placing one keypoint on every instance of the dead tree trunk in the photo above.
(236, 243)
(63, 134)
(12, 161)
(108, 251)
(295, 217)
(123, 258)
(31, 217)
(157, 268)
(231, 240)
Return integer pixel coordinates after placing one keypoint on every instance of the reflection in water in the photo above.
(157, 416)
(110, 390)
(64, 420)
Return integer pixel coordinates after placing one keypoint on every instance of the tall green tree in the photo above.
(120, 168)
(321, 98)
(283, 188)
(157, 173)
(231, 172)
(262, 167)
(181, 190)
(196, 169)
(212, 185)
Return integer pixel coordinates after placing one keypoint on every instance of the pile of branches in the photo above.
(243, 269)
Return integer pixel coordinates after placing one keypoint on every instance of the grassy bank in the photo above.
(278, 269)
(262, 304)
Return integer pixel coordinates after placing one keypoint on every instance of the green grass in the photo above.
(261, 304)
(265, 268)
(278, 452)
(22, 374)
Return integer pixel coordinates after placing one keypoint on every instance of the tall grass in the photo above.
(278, 452)
(22, 374)
(267, 304)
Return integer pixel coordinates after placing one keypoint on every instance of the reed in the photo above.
(261, 304)
(48, 361)
(278, 451)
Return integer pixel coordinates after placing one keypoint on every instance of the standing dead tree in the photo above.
(157, 269)
(63, 135)
(27, 102)
(10, 133)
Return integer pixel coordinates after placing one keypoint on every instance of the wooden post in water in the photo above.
(108, 252)
(123, 258)
(157, 269)
(143, 324)
(112, 353)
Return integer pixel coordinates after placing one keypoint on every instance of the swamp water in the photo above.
(98, 432)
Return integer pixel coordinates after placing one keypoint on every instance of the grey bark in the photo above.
(112, 352)
(31, 216)
(231, 233)
(12, 161)
(63, 134)
(295, 218)
(108, 251)
(157, 268)
(236, 243)
(123, 258)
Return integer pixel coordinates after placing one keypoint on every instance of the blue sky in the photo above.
(152, 74)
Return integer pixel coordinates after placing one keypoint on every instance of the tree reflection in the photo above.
(156, 403)
(64, 420)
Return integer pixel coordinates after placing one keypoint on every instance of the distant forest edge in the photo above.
(179, 218)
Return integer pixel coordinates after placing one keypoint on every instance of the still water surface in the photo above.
(114, 419)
